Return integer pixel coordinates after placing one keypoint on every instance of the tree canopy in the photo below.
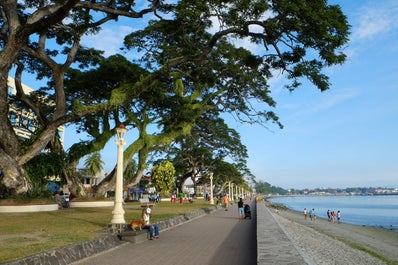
(190, 64)
(263, 187)
(162, 176)
(209, 142)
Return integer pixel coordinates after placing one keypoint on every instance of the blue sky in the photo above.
(344, 137)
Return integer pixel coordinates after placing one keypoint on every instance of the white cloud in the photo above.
(375, 19)
(109, 39)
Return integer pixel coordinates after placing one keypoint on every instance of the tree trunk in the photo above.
(74, 182)
(106, 184)
(11, 179)
(193, 178)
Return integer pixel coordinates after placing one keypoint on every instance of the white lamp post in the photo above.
(229, 189)
(118, 212)
(211, 187)
(232, 196)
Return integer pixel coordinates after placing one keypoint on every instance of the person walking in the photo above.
(312, 214)
(225, 201)
(338, 216)
(334, 216)
(305, 213)
(181, 196)
(240, 209)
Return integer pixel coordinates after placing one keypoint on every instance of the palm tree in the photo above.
(129, 172)
(94, 163)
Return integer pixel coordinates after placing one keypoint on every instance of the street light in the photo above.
(232, 197)
(118, 212)
(229, 189)
(211, 187)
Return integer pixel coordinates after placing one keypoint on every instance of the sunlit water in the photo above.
(378, 211)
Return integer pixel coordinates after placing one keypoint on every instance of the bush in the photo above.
(34, 194)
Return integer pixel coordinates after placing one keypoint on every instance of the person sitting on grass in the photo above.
(58, 199)
(153, 228)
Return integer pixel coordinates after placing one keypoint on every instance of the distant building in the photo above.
(24, 121)
(88, 180)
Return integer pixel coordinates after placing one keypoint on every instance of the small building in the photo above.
(88, 180)
(24, 121)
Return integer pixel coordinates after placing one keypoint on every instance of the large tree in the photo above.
(210, 141)
(297, 38)
(142, 106)
(161, 103)
(26, 29)
(182, 42)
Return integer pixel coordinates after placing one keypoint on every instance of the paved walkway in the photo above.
(214, 239)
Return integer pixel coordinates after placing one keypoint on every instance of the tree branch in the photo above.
(118, 12)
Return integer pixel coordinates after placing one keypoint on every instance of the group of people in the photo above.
(310, 213)
(182, 197)
(155, 197)
(243, 210)
(154, 228)
(62, 199)
(334, 217)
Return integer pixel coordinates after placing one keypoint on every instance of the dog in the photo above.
(134, 224)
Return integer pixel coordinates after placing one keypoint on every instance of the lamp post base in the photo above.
(117, 228)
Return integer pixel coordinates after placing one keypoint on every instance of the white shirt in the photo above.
(146, 219)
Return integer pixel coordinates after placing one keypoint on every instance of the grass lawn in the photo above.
(24, 234)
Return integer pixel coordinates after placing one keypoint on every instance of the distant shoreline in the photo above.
(384, 226)
(322, 195)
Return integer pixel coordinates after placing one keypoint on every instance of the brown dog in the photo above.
(134, 224)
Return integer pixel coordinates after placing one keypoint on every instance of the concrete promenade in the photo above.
(217, 238)
(214, 239)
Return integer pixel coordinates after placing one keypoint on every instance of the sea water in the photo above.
(377, 211)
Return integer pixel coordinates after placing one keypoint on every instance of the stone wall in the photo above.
(71, 253)
(273, 246)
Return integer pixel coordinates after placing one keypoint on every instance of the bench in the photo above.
(145, 203)
(134, 236)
